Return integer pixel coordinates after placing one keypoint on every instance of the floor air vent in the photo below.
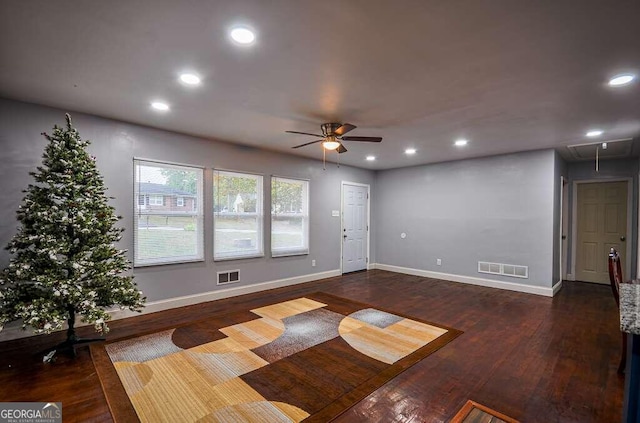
(512, 270)
(231, 276)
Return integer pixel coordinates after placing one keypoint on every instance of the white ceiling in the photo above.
(509, 75)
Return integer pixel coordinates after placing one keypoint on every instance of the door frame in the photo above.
(564, 213)
(574, 221)
(342, 184)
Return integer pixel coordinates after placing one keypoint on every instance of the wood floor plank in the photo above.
(533, 358)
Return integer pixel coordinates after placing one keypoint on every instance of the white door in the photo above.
(602, 225)
(355, 227)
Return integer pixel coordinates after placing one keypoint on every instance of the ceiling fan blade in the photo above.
(341, 149)
(367, 139)
(309, 143)
(346, 127)
(304, 133)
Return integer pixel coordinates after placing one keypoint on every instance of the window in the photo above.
(180, 202)
(289, 217)
(156, 200)
(164, 232)
(238, 215)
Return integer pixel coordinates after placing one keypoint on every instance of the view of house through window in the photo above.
(168, 213)
(289, 216)
(238, 215)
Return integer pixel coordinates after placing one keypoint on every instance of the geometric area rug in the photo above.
(307, 359)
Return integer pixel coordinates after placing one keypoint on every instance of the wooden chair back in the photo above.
(615, 274)
(615, 278)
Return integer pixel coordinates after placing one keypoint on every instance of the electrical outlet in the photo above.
(313, 263)
(439, 262)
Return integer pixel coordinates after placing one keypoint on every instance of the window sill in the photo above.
(217, 259)
(289, 254)
(163, 263)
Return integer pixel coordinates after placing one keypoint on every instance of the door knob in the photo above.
(623, 238)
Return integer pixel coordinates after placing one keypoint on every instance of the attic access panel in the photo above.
(616, 149)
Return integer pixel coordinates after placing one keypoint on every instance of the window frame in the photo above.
(153, 200)
(259, 213)
(305, 214)
(197, 212)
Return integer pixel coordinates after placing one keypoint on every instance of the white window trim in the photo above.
(259, 214)
(153, 200)
(304, 249)
(180, 202)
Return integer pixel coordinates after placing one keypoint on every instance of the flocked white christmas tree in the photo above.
(64, 260)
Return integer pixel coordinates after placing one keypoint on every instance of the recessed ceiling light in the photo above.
(242, 35)
(371, 158)
(190, 79)
(594, 133)
(158, 105)
(622, 79)
(410, 151)
(461, 142)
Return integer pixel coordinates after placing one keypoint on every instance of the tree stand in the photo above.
(69, 345)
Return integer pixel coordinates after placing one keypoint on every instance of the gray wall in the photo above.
(559, 169)
(115, 144)
(502, 209)
(608, 170)
(497, 209)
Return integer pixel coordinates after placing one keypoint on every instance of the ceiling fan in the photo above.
(333, 135)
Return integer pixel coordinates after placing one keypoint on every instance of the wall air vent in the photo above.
(513, 270)
(227, 277)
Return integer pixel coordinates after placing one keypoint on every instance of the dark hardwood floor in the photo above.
(532, 358)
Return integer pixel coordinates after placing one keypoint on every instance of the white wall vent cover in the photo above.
(231, 276)
(512, 270)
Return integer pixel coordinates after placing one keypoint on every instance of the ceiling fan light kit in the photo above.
(331, 143)
(333, 135)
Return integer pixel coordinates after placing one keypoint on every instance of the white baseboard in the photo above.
(490, 283)
(14, 330)
(161, 305)
(571, 277)
(557, 287)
